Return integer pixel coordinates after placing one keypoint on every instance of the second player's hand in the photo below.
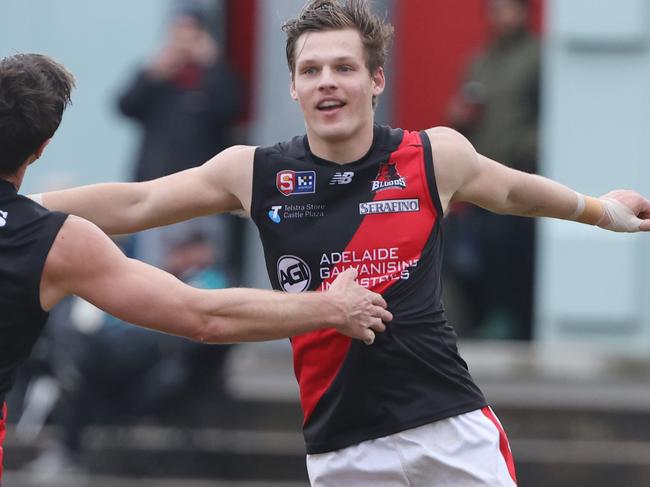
(365, 311)
(625, 211)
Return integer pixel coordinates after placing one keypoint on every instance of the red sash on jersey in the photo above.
(3, 430)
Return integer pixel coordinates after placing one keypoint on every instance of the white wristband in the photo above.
(579, 208)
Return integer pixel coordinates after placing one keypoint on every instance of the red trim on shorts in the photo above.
(504, 446)
(3, 430)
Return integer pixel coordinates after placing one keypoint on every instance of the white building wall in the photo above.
(592, 285)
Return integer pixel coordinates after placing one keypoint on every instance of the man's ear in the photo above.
(379, 82)
(292, 90)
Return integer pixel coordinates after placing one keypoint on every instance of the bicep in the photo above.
(86, 263)
(223, 184)
(463, 175)
(489, 185)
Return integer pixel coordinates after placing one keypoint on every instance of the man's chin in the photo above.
(334, 133)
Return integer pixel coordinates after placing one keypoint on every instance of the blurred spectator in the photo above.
(490, 258)
(111, 372)
(185, 99)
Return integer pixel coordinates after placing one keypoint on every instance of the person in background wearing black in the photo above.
(186, 100)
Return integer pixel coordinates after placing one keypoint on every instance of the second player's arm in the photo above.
(464, 175)
(83, 261)
(222, 184)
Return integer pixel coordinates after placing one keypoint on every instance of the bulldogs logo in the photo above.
(388, 178)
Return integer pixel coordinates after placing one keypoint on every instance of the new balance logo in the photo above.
(3, 218)
(342, 178)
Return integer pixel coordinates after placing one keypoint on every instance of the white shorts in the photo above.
(469, 450)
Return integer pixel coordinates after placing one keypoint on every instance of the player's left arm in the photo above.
(464, 175)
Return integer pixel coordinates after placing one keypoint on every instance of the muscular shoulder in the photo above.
(454, 160)
(447, 142)
(227, 177)
(237, 155)
(79, 250)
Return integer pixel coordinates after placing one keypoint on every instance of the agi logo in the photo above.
(388, 178)
(3, 218)
(293, 274)
(274, 214)
(296, 182)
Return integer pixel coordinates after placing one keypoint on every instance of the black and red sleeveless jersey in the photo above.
(382, 215)
(27, 231)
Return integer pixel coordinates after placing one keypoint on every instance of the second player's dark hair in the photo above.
(34, 92)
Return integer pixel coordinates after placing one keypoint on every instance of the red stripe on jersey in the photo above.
(504, 446)
(318, 356)
(3, 430)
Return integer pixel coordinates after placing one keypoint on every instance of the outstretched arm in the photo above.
(222, 184)
(464, 175)
(85, 262)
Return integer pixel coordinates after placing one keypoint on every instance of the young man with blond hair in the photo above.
(352, 194)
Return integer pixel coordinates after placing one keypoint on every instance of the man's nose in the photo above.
(327, 79)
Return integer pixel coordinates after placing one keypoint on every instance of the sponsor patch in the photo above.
(388, 178)
(279, 213)
(293, 274)
(274, 214)
(374, 265)
(389, 206)
(296, 182)
(342, 178)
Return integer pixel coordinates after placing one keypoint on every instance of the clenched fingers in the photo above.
(369, 337)
(378, 300)
(377, 325)
(385, 315)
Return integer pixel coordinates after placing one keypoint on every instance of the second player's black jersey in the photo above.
(381, 215)
(27, 231)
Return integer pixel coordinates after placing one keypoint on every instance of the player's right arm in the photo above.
(83, 261)
(223, 184)
(463, 175)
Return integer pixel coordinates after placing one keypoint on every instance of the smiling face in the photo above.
(333, 85)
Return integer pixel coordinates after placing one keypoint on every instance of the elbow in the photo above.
(210, 330)
(137, 213)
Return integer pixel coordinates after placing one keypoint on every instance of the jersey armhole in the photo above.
(51, 229)
(256, 190)
(431, 174)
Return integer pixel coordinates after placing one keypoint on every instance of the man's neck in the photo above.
(17, 178)
(342, 151)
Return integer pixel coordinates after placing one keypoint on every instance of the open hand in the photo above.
(365, 311)
(625, 211)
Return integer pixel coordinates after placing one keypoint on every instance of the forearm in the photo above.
(618, 211)
(537, 196)
(243, 315)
